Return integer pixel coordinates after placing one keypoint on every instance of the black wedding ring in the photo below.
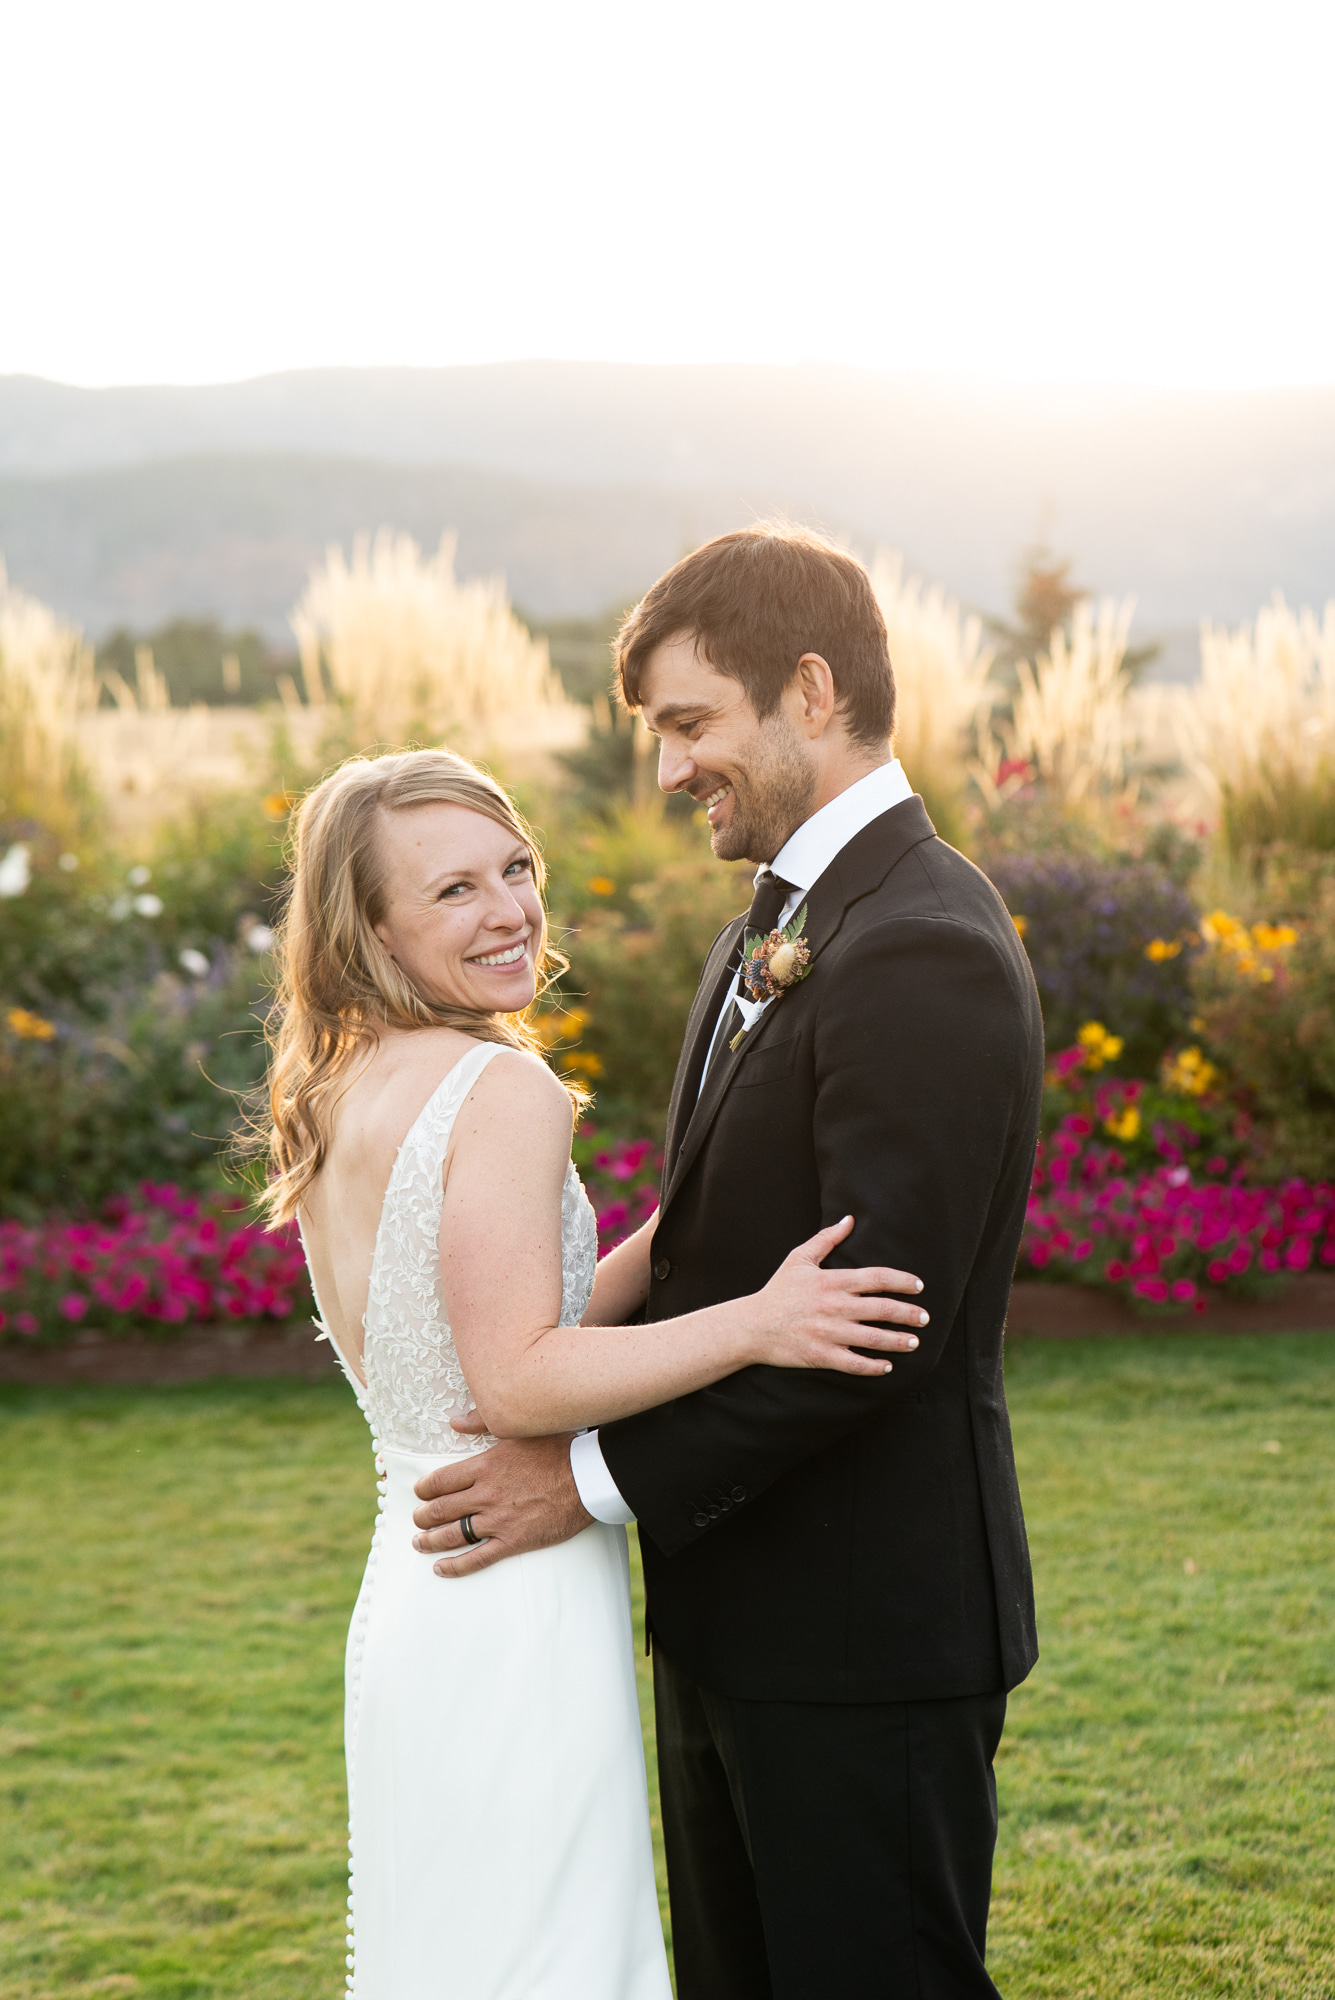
(468, 1531)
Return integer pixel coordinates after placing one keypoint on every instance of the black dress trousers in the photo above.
(822, 1849)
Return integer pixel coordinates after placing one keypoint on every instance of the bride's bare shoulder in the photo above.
(517, 1080)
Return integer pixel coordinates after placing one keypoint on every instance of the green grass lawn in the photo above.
(179, 1565)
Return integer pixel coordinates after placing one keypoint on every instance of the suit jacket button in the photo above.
(662, 1269)
(700, 1520)
(738, 1493)
(713, 1512)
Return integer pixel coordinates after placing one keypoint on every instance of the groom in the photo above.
(837, 1577)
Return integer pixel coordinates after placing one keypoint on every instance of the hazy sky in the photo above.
(197, 192)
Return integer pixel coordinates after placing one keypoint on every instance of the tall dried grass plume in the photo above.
(412, 653)
(47, 682)
(942, 670)
(1071, 726)
(1259, 727)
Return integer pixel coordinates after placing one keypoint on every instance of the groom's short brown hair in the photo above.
(754, 602)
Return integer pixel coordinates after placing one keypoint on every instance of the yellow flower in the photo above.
(1021, 924)
(1100, 1047)
(1123, 1124)
(1159, 949)
(30, 1027)
(279, 804)
(1244, 945)
(586, 1062)
(1188, 1073)
(1221, 929)
(602, 885)
(559, 1025)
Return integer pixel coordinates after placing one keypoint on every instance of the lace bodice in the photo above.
(414, 1383)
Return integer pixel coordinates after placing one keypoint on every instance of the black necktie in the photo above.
(772, 892)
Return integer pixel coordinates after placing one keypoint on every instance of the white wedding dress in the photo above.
(498, 1817)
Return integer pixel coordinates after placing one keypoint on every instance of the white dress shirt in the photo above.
(802, 860)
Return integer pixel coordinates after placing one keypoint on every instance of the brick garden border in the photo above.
(1074, 1312)
(140, 1361)
(1037, 1312)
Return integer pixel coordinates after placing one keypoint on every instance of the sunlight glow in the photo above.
(1041, 192)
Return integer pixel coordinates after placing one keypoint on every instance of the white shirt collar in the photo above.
(806, 854)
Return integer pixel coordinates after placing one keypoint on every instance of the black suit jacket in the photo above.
(815, 1536)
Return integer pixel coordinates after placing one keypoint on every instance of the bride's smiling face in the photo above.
(462, 917)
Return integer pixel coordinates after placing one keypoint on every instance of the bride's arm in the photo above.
(622, 1284)
(501, 1265)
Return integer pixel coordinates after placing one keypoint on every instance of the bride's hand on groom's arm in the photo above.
(809, 1316)
(518, 1495)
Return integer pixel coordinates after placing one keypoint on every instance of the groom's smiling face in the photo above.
(755, 776)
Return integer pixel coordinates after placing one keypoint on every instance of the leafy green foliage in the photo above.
(1088, 925)
(615, 765)
(653, 901)
(139, 996)
(146, 1090)
(1275, 1041)
(200, 661)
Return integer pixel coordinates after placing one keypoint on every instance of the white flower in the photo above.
(138, 876)
(148, 906)
(69, 862)
(195, 962)
(15, 874)
(119, 908)
(259, 937)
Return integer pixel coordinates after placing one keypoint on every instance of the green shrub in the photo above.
(644, 914)
(144, 1091)
(1108, 941)
(131, 998)
(1266, 1015)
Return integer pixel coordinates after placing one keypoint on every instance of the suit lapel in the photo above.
(719, 971)
(858, 869)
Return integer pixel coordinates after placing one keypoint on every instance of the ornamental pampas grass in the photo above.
(46, 683)
(1070, 722)
(1259, 727)
(941, 676)
(414, 654)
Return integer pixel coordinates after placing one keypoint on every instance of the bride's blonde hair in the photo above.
(337, 984)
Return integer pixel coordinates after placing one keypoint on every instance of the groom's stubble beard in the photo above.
(771, 797)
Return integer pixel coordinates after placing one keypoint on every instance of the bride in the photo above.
(500, 1845)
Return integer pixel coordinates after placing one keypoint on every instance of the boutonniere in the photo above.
(770, 965)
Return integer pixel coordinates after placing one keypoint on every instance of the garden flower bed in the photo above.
(1153, 1190)
(162, 1260)
(1160, 1238)
(1165, 1236)
(168, 1262)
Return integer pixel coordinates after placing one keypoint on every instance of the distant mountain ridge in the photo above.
(579, 480)
(237, 537)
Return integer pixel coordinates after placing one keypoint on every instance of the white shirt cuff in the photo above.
(594, 1483)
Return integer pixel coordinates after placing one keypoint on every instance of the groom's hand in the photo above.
(520, 1494)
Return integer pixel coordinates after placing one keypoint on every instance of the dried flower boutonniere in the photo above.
(770, 965)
